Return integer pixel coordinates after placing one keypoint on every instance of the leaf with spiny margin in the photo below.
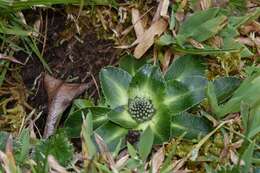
(130, 64)
(193, 125)
(73, 120)
(160, 125)
(186, 66)
(225, 86)
(111, 134)
(121, 117)
(114, 83)
(182, 96)
(246, 92)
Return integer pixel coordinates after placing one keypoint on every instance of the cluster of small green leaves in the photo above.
(32, 153)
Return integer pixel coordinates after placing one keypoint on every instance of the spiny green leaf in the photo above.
(182, 96)
(186, 66)
(160, 125)
(111, 134)
(193, 125)
(246, 92)
(74, 119)
(121, 117)
(130, 64)
(114, 83)
(225, 86)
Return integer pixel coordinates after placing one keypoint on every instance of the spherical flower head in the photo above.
(141, 109)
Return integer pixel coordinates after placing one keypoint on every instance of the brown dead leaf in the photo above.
(233, 157)
(105, 151)
(205, 4)
(10, 58)
(249, 41)
(137, 23)
(184, 171)
(157, 160)
(60, 96)
(195, 43)
(254, 26)
(147, 40)
(121, 162)
(166, 60)
(55, 167)
(164, 9)
(180, 16)
(158, 12)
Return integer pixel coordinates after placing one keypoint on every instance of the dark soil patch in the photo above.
(75, 60)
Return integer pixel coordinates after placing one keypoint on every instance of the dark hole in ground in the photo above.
(75, 60)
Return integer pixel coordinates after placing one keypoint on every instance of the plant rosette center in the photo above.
(141, 109)
(144, 99)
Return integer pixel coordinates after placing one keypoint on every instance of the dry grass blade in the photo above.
(164, 9)
(105, 151)
(10, 58)
(195, 43)
(248, 41)
(254, 26)
(205, 4)
(121, 162)
(166, 60)
(147, 40)
(55, 167)
(157, 13)
(157, 160)
(137, 23)
(60, 95)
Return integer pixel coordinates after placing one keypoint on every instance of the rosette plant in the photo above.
(144, 99)
(139, 97)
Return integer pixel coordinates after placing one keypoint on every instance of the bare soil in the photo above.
(76, 58)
